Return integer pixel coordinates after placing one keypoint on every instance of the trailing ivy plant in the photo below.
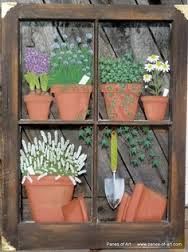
(121, 70)
(85, 134)
(139, 141)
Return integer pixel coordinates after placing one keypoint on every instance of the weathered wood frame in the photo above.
(29, 235)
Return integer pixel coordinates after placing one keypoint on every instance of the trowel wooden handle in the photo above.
(114, 152)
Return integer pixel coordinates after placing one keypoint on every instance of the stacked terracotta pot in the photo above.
(144, 205)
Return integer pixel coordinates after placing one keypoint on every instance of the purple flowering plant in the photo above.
(37, 66)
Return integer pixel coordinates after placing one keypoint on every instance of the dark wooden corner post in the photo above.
(10, 68)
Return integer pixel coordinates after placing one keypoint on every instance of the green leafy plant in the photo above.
(70, 61)
(139, 141)
(86, 134)
(121, 70)
(155, 69)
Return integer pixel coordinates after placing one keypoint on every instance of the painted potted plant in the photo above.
(70, 77)
(121, 86)
(155, 104)
(36, 66)
(50, 167)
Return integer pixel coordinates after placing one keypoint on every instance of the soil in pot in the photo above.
(47, 196)
(121, 102)
(155, 107)
(75, 211)
(38, 106)
(73, 102)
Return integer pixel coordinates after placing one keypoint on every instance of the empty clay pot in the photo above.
(47, 196)
(75, 211)
(145, 205)
(38, 106)
(73, 102)
(121, 102)
(122, 209)
(155, 107)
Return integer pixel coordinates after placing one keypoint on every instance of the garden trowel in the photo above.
(114, 186)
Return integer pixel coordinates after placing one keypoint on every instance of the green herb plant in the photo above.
(139, 141)
(121, 70)
(70, 61)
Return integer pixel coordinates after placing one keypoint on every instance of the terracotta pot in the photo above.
(56, 89)
(145, 205)
(73, 101)
(122, 209)
(47, 196)
(121, 102)
(75, 211)
(38, 106)
(155, 107)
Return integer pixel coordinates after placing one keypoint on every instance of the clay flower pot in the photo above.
(145, 205)
(38, 106)
(155, 107)
(121, 102)
(47, 196)
(73, 101)
(56, 89)
(122, 209)
(75, 211)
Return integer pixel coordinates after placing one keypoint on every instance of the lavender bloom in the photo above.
(36, 61)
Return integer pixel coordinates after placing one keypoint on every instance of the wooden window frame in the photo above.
(94, 235)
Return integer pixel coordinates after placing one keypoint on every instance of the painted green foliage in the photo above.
(139, 141)
(121, 70)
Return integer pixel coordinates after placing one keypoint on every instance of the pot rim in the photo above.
(37, 98)
(149, 98)
(49, 180)
(128, 87)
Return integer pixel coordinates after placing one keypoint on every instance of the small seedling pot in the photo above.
(155, 107)
(47, 196)
(121, 102)
(75, 211)
(73, 101)
(38, 106)
(145, 205)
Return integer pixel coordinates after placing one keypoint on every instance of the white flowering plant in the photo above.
(155, 70)
(71, 60)
(48, 155)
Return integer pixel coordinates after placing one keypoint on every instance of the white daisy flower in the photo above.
(153, 58)
(165, 67)
(159, 65)
(147, 78)
(149, 67)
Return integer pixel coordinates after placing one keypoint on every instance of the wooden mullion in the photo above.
(95, 126)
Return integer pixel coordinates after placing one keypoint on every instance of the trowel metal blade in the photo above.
(114, 190)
